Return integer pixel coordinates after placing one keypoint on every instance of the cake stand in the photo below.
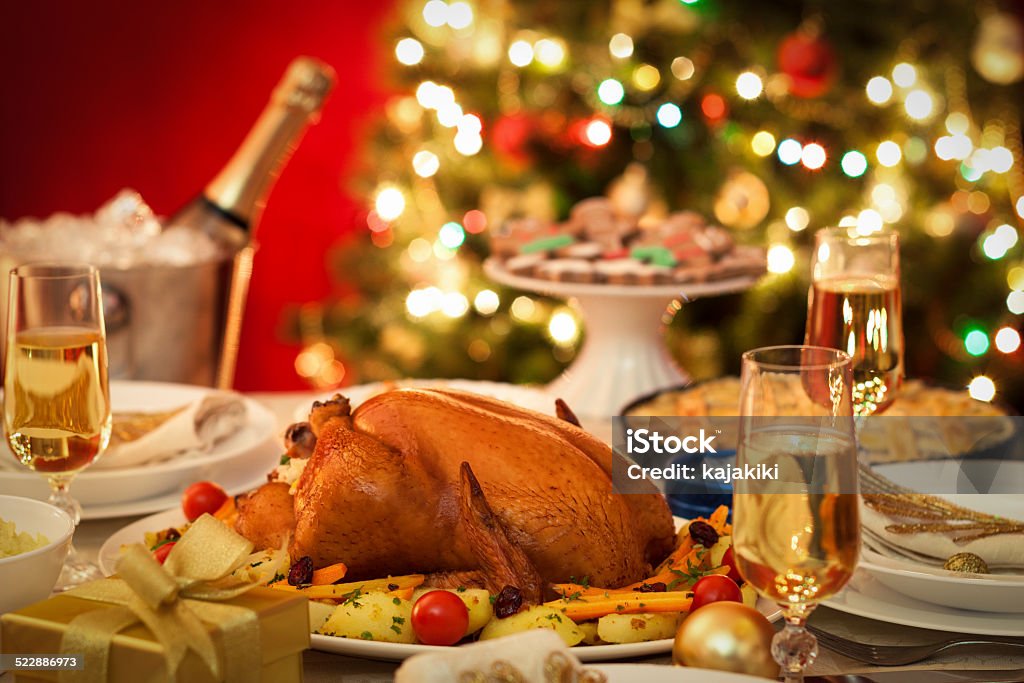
(623, 355)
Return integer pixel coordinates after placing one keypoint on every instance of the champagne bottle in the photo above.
(230, 205)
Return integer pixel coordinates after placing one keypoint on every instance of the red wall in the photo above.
(156, 96)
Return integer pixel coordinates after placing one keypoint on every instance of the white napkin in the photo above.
(527, 652)
(1004, 552)
(195, 430)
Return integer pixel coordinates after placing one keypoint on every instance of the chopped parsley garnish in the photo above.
(396, 629)
(460, 589)
(285, 459)
(164, 542)
(554, 617)
(366, 635)
(353, 597)
(398, 620)
(256, 564)
(277, 577)
(493, 598)
(397, 601)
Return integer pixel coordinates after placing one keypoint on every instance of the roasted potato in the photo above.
(372, 616)
(539, 616)
(477, 601)
(749, 595)
(589, 629)
(637, 628)
(319, 613)
(718, 550)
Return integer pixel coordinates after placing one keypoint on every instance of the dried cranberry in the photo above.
(508, 602)
(301, 572)
(172, 535)
(703, 533)
(656, 587)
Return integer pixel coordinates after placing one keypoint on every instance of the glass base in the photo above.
(794, 648)
(75, 572)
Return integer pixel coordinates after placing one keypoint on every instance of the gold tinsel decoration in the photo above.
(939, 516)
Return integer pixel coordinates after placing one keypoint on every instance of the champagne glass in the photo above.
(56, 398)
(855, 305)
(797, 538)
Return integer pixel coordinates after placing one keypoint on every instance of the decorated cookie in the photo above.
(567, 270)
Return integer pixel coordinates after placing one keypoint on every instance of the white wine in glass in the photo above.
(855, 305)
(57, 415)
(797, 539)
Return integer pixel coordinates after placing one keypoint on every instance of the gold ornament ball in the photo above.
(726, 636)
(966, 562)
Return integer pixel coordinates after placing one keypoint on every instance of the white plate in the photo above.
(1000, 593)
(388, 652)
(496, 271)
(250, 451)
(866, 597)
(533, 398)
(660, 673)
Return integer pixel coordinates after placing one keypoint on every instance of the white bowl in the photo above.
(30, 577)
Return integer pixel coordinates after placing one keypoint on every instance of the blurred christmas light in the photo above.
(780, 259)
(790, 151)
(610, 91)
(470, 123)
(479, 350)
(562, 328)
(749, 85)
(868, 221)
(976, 342)
(713, 106)
(1019, 206)
(1015, 278)
(409, 51)
(383, 239)
(475, 221)
(813, 156)
(460, 15)
(882, 194)
(970, 173)
(427, 94)
(390, 203)
(919, 105)
(978, 202)
(549, 52)
(467, 143)
(451, 235)
(888, 153)
(915, 150)
(1015, 302)
(1000, 159)
(449, 114)
(455, 304)
(953, 147)
(486, 302)
(879, 90)
(425, 163)
(957, 123)
(683, 68)
(797, 219)
(523, 309)
(620, 46)
(520, 53)
(904, 74)
(423, 301)
(763, 143)
(598, 133)
(646, 77)
(854, 164)
(441, 252)
(981, 388)
(435, 13)
(669, 115)
(420, 250)
(1007, 340)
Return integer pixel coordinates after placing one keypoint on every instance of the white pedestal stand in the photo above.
(623, 355)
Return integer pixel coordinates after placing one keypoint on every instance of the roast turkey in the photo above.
(463, 487)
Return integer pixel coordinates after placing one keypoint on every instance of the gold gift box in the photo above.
(136, 657)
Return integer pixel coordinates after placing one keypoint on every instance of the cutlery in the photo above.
(898, 655)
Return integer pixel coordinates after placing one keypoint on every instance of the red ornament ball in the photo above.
(810, 63)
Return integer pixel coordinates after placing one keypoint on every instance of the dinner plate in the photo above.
(865, 596)
(660, 673)
(251, 451)
(1001, 481)
(533, 398)
(389, 652)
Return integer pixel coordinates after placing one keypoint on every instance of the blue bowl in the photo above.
(699, 498)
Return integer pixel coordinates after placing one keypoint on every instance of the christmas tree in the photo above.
(775, 119)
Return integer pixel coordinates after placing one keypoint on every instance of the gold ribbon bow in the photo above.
(173, 601)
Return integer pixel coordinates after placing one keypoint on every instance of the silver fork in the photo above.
(898, 655)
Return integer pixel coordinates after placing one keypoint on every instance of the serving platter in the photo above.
(389, 652)
(237, 460)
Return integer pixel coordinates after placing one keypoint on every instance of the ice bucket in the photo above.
(170, 323)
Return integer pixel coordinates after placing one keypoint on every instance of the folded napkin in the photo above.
(896, 528)
(538, 656)
(192, 429)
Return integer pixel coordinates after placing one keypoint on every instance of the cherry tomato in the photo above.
(729, 560)
(439, 618)
(161, 553)
(203, 496)
(714, 588)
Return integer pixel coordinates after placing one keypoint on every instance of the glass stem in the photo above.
(794, 648)
(61, 498)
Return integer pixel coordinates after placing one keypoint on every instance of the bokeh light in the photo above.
(976, 342)
(749, 85)
(888, 153)
(520, 53)
(797, 219)
(904, 74)
(763, 143)
(981, 388)
(780, 259)
(425, 163)
(790, 151)
(813, 156)
(390, 203)
(610, 91)
(669, 115)
(620, 46)
(486, 302)
(854, 163)
(879, 90)
(409, 51)
(598, 133)
(1007, 340)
